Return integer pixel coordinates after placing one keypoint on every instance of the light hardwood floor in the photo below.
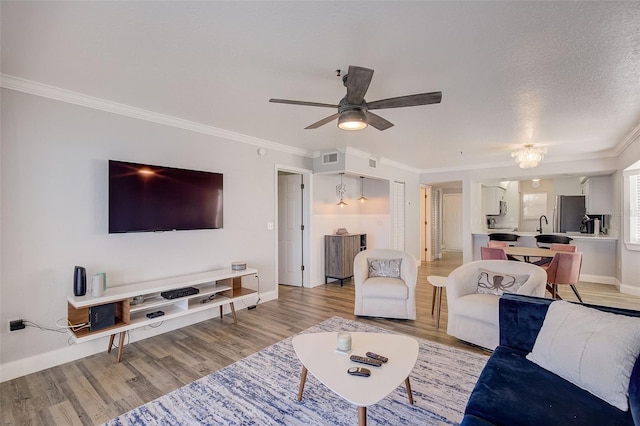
(95, 389)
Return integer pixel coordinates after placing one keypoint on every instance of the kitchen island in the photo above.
(599, 252)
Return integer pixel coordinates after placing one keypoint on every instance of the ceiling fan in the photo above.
(354, 112)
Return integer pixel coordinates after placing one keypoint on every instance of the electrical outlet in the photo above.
(15, 324)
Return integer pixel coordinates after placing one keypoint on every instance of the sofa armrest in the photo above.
(521, 318)
(634, 392)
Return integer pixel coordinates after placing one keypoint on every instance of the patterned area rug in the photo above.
(262, 389)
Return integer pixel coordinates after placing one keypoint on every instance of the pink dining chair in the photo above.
(488, 253)
(564, 247)
(497, 244)
(564, 269)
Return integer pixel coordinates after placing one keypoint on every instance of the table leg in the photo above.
(233, 313)
(439, 306)
(407, 384)
(362, 416)
(110, 343)
(303, 378)
(433, 299)
(121, 345)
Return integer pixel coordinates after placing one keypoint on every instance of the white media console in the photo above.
(217, 288)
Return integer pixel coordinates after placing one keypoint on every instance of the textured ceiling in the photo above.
(565, 75)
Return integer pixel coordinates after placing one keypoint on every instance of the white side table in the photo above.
(317, 353)
(438, 282)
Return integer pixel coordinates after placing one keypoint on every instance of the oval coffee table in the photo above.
(317, 352)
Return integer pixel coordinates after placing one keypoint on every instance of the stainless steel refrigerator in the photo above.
(568, 213)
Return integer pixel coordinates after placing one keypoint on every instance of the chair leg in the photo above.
(575, 290)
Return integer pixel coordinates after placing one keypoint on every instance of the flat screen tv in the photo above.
(146, 198)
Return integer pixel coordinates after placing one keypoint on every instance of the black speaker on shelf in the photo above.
(79, 281)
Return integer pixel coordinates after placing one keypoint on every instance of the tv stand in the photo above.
(217, 288)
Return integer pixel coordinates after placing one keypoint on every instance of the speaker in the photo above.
(79, 281)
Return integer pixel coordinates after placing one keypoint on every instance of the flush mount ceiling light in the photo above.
(340, 190)
(354, 119)
(529, 155)
(362, 197)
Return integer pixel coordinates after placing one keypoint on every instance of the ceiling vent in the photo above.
(373, 163)
(330, 158)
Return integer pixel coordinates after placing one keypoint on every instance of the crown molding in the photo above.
(62, 95)
(628, 140)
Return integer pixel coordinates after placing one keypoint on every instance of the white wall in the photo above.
(54, 216)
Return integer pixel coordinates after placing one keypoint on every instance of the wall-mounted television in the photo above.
(147, 198)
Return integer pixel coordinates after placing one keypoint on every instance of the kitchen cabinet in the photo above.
(491, 197)
(598, 192)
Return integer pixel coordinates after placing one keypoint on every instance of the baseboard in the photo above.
(22, 367)
(600, 279)
(629, 289)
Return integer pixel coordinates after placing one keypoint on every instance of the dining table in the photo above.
(528, 252)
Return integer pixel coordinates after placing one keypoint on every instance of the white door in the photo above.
(290, 229)
(452, 221)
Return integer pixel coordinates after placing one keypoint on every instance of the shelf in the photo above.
(226, 285)
(156, 300)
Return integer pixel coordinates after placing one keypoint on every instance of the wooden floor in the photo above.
(95, 389)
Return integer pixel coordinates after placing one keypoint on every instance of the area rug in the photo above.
(262, 389)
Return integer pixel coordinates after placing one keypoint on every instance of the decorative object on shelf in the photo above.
(79, 281)
(340, 190)
(98, 284)
(342, 231)
(136, 300)
(529, 155)
(238, 266)
(362, 197)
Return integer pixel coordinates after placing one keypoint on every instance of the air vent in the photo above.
(330, 158)
(373, 163)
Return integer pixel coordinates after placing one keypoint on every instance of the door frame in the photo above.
(306, 221)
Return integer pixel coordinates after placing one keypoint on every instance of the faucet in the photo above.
(545, 221)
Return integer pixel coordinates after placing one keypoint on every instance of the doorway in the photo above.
(451, 221)
(293, 227)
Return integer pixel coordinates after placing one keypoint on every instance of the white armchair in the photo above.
(385, 296)
(473, 317)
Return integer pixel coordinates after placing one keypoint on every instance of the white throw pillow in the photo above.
(490, 282)
(592, 349)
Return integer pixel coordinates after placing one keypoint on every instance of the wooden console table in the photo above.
(217, 288)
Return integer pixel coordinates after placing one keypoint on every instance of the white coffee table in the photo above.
(317, 353)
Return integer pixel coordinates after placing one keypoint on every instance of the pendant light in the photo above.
(362, 197)
(340, 190)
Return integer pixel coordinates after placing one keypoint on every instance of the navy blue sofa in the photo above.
(512, 390)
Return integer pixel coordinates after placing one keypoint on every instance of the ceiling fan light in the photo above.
(354, 119)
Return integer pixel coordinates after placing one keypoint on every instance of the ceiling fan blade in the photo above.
(316, 104)
(406, 101)
(323, 121)
(358, 80)
(378, 122)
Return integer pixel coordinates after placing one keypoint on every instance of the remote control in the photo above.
(359, 371)
(155, 314)
(365, 360)
(378, 357)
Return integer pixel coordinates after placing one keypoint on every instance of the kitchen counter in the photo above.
(599, 252)
(574, 235)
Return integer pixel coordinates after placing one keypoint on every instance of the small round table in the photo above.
(438, 282)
